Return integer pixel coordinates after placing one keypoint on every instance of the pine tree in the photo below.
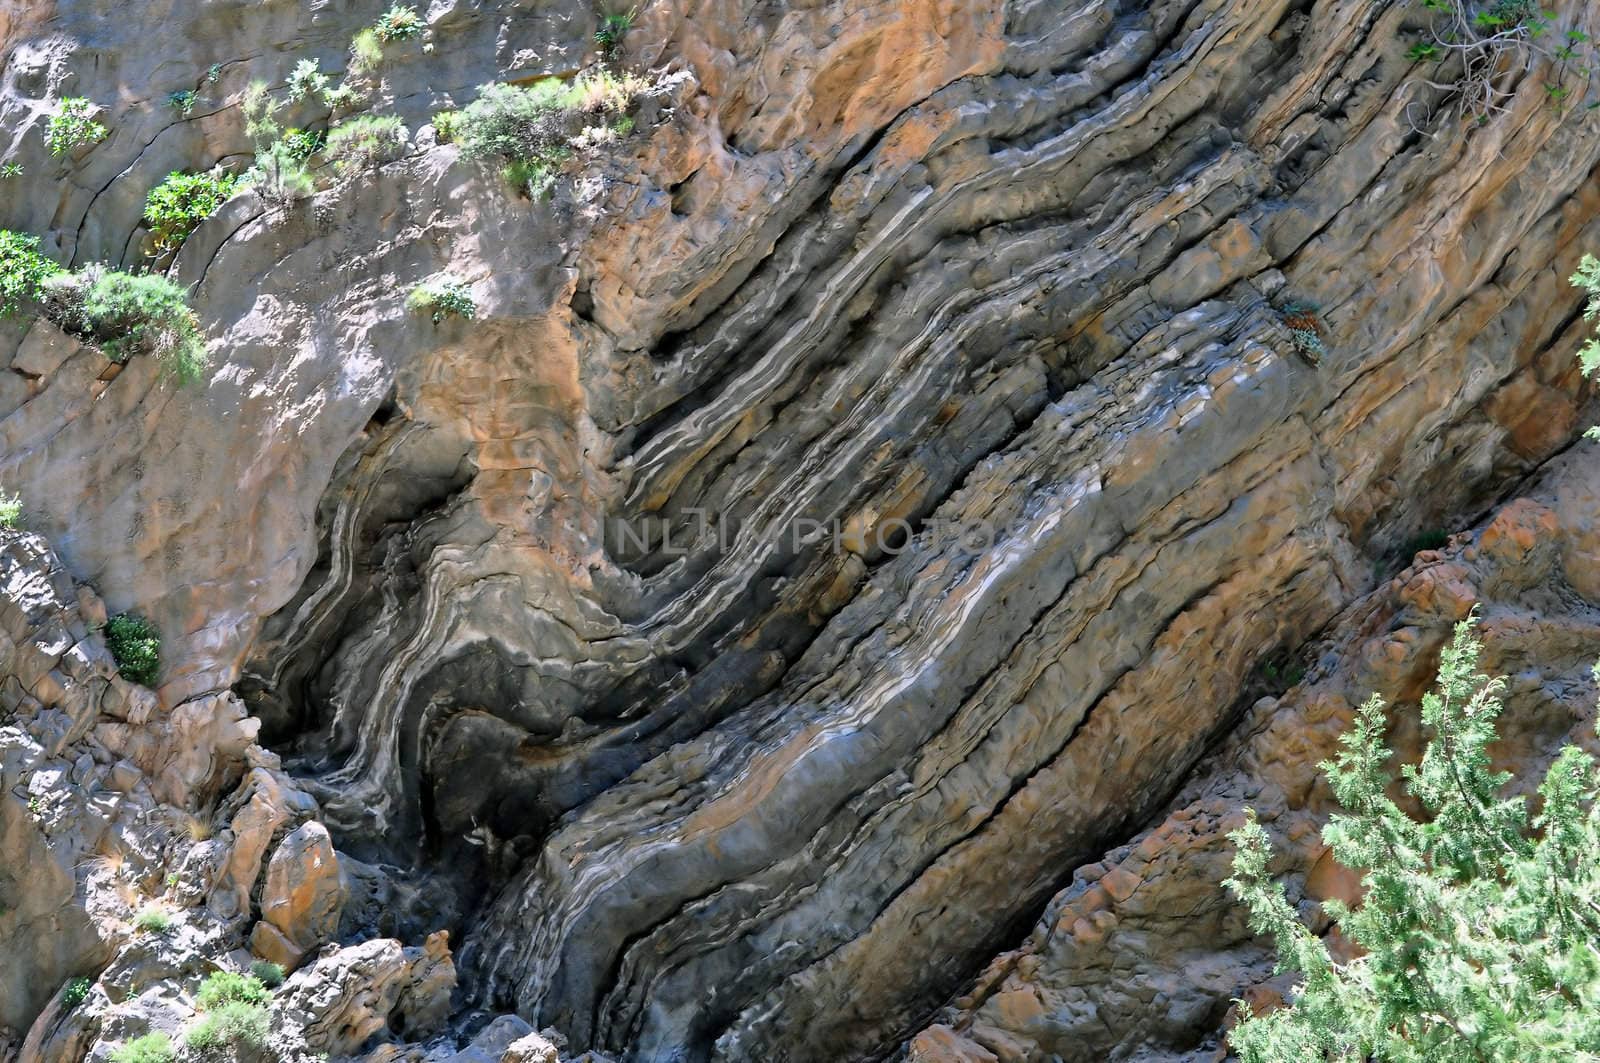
(1480, 924)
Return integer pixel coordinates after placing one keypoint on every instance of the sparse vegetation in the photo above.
(1478, 935)
(1493, 45)
(613, 27)
(177, 206)
(10, 169)
(10, 510)
(75, 992)
(152, 921)
(446, 297)
(136, 646)
(183, 102)
(73, 127)
(23, 271)
(399, 23)
(1587, 277)
(127, 314)
(225, 987)
(270, 974)
(234, 1027)
(1305, 329)
(534, 129)
(151, 1048)
(364, 142)
(366, 52)
(280, 176)
(307, 81)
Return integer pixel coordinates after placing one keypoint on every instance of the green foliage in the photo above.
(237, 1026)
(1480, 928)
(152, 921)
(179, 204)
(75, 992)
(214, 74)
(366, 51)
(73, 127)
(1487, 40)
(364, 142)
(306, 80)
(613, 27)
(1587, 277)
(23, 271)
(128, 314)
(10, 510)
(270, 974)
(136, 645)
(444, 125)
(183, 101)
(260, 115)
(1424, 51)
(303, 143)
(280, 176)
(224, 987)
(345, 97)
(446, 297)
(151, 1048)
(399, 23)
(535, 128)
(10, 169)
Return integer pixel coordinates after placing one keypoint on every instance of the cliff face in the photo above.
(997, 296)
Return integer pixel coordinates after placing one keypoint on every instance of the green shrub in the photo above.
(73, 127)
(10, 510)
(10, 169)
(345, 97)
(270, 974)
(75, 992)
(224, 987)
(307, 80)
(1478, 935)
(136, 646)
(613, 28)
(534, 128)
(444, 125)
(23, 271)
(280, 176)
(303, 143)
(447, 297)
(366, 51)
(128, 314)
(399, 23)
(151, 1048)
(363, 142)
(152, 921)
(183, 102)
(236, 1026)
(179, 204)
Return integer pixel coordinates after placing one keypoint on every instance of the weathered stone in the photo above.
(301, 898)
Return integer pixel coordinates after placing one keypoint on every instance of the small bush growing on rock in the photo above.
(446, 297)
(23, 271)
(366, 52)
(534, 128)
(613, 28)
(270, 974)
(10, 510)
(128, 314)
(73, 127)
(222, 988)
(307, 80)
(75, 992)
(177, 206)
(10, 169)
(183, 101)
(152, 921)
(151, 1048)
(399, 23)
(235, 1026)
(280, 176)
(361, 143)
(136, 646)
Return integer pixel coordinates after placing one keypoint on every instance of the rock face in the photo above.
(864, 494)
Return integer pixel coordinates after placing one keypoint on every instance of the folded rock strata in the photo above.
(993, 292)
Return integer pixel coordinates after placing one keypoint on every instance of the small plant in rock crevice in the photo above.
(136, 646)
(399, 23)
(183, 101)
(613, 28)
(234, 1030)
(10, 169)
(1306, 329)
(73, 127)
(152, 921)
(268, 973)
(75, 993)
(151, 1048)
(307, 81)
(222, 988)
(366, 52)
(446, 297)
(10, 510)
